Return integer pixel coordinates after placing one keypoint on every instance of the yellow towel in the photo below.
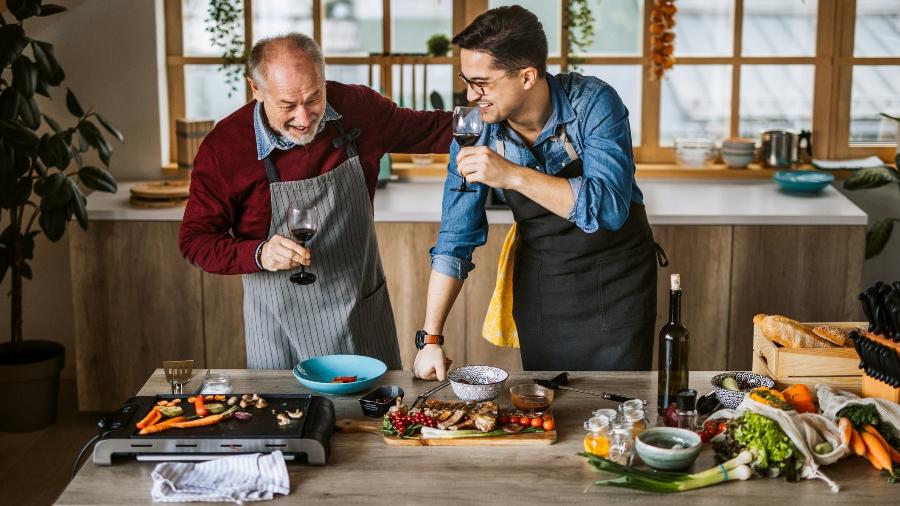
(499, 327)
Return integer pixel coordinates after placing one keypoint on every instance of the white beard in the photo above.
(305, 139)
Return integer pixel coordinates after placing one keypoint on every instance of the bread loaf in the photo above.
(789, 333)
(837, 335)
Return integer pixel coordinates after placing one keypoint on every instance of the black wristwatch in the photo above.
(423, 338)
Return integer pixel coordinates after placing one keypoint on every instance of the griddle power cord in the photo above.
(101, 424)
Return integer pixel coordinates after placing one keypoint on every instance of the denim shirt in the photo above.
(596, 123)
(267, 140)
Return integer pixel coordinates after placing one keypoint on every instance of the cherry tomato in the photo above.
(549, 425)
(537, 421)
(548, 416)
(525, 421)
(504, 419)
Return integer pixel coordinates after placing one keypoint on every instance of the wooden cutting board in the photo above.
(160, 194)
(374, 427)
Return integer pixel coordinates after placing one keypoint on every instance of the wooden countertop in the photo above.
(363, 470)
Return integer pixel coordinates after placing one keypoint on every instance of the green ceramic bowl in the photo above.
(668, 448)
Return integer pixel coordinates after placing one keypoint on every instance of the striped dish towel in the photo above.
(253, 477)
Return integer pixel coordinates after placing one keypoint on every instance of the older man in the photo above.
(308, 143)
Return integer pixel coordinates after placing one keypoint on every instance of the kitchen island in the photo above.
(741, 247)
(364, 470)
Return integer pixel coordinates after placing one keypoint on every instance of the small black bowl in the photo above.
(377, 402)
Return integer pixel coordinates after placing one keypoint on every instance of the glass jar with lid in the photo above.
(637, 419)
(632, 404)
(216, 384)
(596, 441)
(621, 443)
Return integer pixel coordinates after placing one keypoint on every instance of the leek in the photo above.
(650, 481)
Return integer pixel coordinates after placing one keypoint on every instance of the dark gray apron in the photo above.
(582, 301)
(347, 310)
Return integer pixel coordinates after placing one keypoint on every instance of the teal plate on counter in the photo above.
(316, 373)
(802, 181)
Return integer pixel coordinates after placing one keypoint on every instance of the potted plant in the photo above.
(878, 236)
(38, 194)
(438, 45)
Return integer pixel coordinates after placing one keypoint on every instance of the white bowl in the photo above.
(738, 159)
(478, 382)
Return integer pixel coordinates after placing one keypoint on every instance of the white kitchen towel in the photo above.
(253, 477)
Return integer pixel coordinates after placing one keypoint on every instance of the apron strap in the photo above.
(570, 149)
(661, 257)
(344, 138)
(271, 171)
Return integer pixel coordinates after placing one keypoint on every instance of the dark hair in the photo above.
(512, 35)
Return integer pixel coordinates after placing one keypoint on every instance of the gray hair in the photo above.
(297, 41)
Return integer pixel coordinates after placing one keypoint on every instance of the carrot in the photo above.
(878, 452)
(846, 429)
(152, 417)
(203, 422)
(199, 407)
(895, 455)
(874, 462)
(159, 427)
(859, 447)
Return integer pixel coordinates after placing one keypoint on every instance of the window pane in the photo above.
(876, 89)
(779, 28)
(696, 102)
(413, 22)
(354, 74)
(618, 27)
(775, 96)
(439, 79)
(877, 28)
(549, 12)
(194, 14)
(704, 28)
(352, 27)
(626, 80)
(277, 17)
(206, 93)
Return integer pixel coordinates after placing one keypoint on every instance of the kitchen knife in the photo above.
(608, 396)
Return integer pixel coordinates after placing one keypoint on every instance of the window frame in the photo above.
(833, 65)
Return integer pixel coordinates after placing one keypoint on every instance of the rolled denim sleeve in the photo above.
(603, 193)
(464, 225)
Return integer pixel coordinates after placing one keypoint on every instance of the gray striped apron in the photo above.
(347, 310)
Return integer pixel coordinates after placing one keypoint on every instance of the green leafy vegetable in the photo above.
(773, 452)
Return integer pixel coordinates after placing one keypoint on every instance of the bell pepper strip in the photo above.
(771, 397)
(209, 420)
(152, 417)
(159, 427)
(199, 407)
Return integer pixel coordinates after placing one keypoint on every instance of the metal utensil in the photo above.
(202, 382)
(421, 398)
(178, 373)
(560, 381)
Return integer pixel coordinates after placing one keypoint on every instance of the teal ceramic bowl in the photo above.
(802, 181)
(668, 448)
(316, 373)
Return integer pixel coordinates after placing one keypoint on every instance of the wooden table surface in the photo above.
(363, 470)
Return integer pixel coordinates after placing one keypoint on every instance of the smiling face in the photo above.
(504, 92)
(292, 93)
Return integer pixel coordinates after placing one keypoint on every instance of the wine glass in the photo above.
(467, 127)
(302, 223)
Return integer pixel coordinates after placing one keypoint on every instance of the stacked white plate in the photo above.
(738, 153)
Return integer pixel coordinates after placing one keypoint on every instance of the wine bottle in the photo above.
(673, 351)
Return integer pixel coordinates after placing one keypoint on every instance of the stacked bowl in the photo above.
(738, 153)
(694, 152)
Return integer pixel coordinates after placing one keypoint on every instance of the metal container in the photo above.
(781, 148)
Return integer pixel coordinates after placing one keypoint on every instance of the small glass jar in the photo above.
(632, 404)
(216, 384)
(610, 414)
(621, 444)
(637, 419)
(596, 441)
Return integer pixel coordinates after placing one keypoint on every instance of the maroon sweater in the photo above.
(229, 210)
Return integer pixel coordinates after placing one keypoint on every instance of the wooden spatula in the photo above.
(178, 372)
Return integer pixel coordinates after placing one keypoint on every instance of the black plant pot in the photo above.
(29, 379)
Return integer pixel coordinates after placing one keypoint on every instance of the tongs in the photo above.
(421, 398)
(562, 379)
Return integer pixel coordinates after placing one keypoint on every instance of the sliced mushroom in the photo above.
(232, 400)
(244, 404)
(261, 403)
(295, 414)
(283, 419)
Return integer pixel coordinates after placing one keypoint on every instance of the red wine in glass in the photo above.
(302, 223)
(467, 127)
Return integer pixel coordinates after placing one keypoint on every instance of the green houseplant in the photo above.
(39, 193)
(878, 236)
(438, 45)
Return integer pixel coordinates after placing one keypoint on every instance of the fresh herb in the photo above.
(861, 415)
(773, 452)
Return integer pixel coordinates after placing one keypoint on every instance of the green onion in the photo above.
(655, 481)
(432, 433)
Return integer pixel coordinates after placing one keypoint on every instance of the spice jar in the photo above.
(216, 384)
(686, 413)
(632, 404)
(596, 441)
(637, 419)
(621, 444)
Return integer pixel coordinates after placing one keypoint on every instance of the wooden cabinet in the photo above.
(137, 302)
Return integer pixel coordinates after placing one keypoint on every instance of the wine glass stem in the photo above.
(302, 267)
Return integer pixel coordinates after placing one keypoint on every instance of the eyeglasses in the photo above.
(479, 88)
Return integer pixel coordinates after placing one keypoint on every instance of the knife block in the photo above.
(872, 387)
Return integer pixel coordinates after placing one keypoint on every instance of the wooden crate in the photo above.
(835, 367)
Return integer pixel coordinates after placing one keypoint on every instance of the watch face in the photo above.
(420, 340)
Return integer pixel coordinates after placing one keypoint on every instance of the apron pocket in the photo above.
(628, 287)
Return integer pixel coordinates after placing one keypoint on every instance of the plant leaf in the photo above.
(51, 9)
(10, 102)
(4, 262)
(888, 116)
(55, 76)
(111, 129)
(57, 191)
(78, 205)
(54, 152)
(98, 179)
(25, 74)
(24, 9)
(878, 236)
(870, 178)
(73, 105)
(15, 193)
(53, 124)
(20, 137)
(41, 88)
(53, 222)
(40, 167)
(12, 43)
(26, 243)
(30, 113)
(26, 271)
